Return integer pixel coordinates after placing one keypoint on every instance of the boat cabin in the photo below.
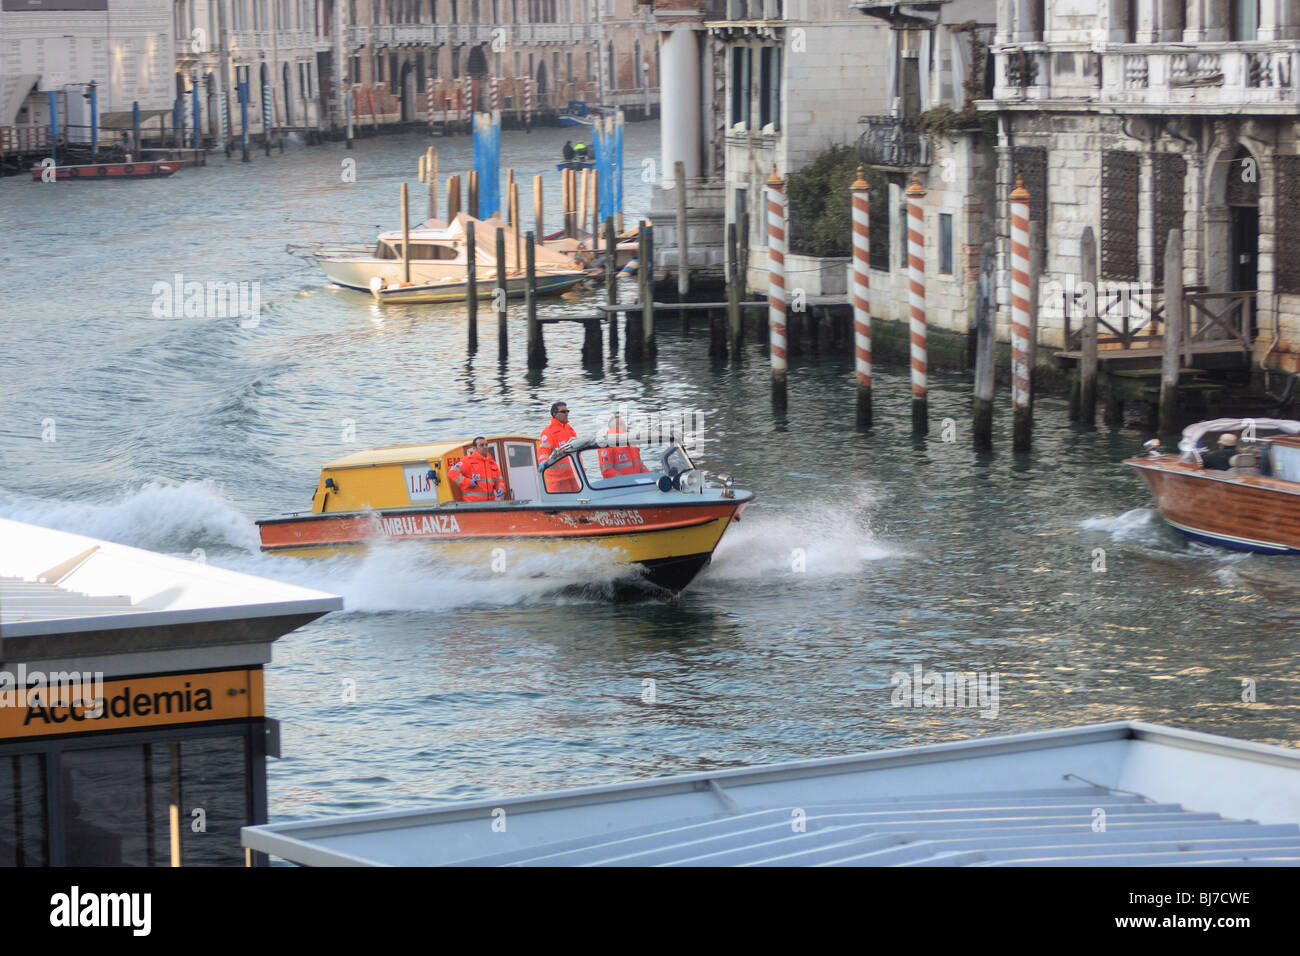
(421, 249)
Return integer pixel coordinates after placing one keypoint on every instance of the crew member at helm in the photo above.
(619, 457)
(477, 475)
(1221, 460)
(561, 477)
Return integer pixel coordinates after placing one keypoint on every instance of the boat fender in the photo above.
(129, 168)
(101, 171)
(665, 483)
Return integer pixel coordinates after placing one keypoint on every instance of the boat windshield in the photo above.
(622, 466)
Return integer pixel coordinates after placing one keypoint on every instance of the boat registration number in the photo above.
(419, 525)
(618, 518)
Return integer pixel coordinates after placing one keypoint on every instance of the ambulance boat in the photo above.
(666, 520)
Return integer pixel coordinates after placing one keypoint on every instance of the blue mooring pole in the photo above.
(243, 118)
(54, 127)
(135, 130)
(194, 101)
(94, 121)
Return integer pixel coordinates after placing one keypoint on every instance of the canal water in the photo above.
(865, 555)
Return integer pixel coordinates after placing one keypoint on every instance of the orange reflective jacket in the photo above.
(485, 469)
(560, 477)
(618, 459)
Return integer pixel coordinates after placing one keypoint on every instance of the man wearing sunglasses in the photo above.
(561, 477)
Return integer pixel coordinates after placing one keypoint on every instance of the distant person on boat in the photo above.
(568, 150)
(619, 457)
(477, 475)
(580, 152)
(1221, 460)
(556, 433)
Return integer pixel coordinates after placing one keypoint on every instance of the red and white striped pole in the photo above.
(1022, 421)
(862, 295)
(428, 99)
(776, 287)
(496, 94)
(916, 304)
(528, 100)
(468, 97)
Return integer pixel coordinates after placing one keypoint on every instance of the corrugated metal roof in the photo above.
(1112, 794)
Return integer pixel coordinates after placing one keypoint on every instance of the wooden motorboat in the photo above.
(1252, 506)
(453, 290)
(136, 170)
(438, 257)
(666, 520)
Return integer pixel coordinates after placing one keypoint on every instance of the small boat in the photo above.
(666, 521)
(453, 290)
(136, 170)
(581, 113)
(584, 162)
(1253, 506)
(438, 259)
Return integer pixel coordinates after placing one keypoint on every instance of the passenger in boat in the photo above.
(568, 150)
(619, 457)
(1221, 460)
(562, 477)
(477, 475)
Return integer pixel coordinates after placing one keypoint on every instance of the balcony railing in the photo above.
(1254, 77)
(890, 141)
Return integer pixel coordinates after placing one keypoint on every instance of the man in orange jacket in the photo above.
(561, 477)
(619, 457)
(477, 475)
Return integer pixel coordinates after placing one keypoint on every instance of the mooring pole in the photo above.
(647, 269)
(431, 171)
(453, 197)
(471, 284)
(611, 282)
(916, 306)
(683, 256)
(861, 193)
(536, 344)
(471, 194)
(633, 341)
(776, 287)
(406, 235)
(1174, 321)
(736, 327)
(538, 217)
(1088, 358)
(986, 311)
(502, 297)
(1022, 421)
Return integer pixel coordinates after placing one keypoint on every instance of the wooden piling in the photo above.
(1175, 319)
(735, 321)
(1088, 358)
(536, 344)
(539, 220)
(860, 191)
(985, 349)
(1022, 422)
(406, 234)
(582, 203)
(514, 222)
(595, 210)
(633, 341)
(453, 197)
(646, 270)
(471, 285)
(471, 194)
(776, 304)
(502, 297)
(611, 281)
(510, 186)
(683, 256)
(916, 306)
(431, 174)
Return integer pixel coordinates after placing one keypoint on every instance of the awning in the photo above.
(13, 91)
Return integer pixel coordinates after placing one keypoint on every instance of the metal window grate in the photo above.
(1170, 187)
(1119, 215)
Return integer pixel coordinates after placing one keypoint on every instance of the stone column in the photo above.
(680, 97)
(1194, 27)
(1271, 22)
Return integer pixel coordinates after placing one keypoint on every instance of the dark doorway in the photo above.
(1245, 247)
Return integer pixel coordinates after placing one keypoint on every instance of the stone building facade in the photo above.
(1135, 118)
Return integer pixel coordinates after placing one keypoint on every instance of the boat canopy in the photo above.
(485, 230)
(1193, 434)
